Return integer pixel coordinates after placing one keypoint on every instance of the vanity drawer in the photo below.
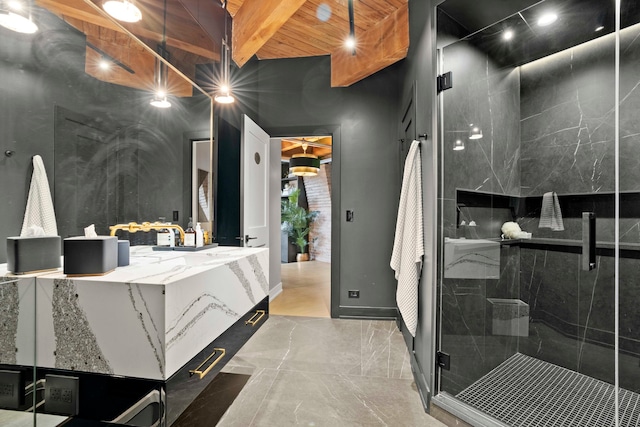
(185, 385)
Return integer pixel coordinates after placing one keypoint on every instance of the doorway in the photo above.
(306, 285)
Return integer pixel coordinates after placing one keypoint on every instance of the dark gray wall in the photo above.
(295, 94)
(418, 81)
(46, 70)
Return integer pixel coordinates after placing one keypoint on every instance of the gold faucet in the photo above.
(133, 227)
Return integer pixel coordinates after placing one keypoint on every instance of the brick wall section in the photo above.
(318, 189)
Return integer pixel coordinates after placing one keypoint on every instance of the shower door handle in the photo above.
(588, 241)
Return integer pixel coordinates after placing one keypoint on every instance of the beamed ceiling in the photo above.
(268, 29)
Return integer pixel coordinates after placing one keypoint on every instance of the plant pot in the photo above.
(302, 257)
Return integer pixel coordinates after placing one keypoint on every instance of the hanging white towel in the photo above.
(550, 214)
(408, 244)
(39, 211)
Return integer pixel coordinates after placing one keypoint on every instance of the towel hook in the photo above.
(8, 153)
(422, 136)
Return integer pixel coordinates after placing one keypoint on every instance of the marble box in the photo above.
(471, 259)
(508, 317)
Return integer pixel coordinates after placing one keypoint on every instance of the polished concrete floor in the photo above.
(306, 290)
(325, 372)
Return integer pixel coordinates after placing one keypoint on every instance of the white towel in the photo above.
(408, 245)
(39, 211)
(550, 214)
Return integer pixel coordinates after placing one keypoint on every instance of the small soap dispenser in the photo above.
(199, 236)
(190, 235)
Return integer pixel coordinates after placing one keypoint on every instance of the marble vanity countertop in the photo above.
(147, 319)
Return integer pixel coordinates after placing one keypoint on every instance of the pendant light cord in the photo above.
(352, 30)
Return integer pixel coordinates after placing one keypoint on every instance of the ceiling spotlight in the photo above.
(224, 95)
(16, 17)
(350, 42)
(475, 132)
(159, 101)
(122, 10)
(599, 28)
(104, 64)
(508, 35)
(547, 19)
(458, 145)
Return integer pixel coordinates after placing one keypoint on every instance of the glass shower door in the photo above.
(628, 150)
(535, 342)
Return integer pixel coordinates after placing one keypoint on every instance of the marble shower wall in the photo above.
(563, 142)
(488, 96)
(485, 96)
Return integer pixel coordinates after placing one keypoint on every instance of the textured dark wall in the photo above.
(46, 70)
(296, 92)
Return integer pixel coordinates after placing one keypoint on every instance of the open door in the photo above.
(255, 184)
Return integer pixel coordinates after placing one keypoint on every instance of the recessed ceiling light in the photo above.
(599, 28)
(104, 64)
(508, 35)
(547, 19)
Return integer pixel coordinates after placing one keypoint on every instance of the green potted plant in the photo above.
(296, 221)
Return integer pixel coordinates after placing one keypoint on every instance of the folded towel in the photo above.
(550, 214)
(39, 211)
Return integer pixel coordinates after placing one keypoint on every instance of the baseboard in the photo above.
(351, 312)
(275, 291)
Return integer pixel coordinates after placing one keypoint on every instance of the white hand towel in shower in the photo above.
(39, 211)
(408, 245)
(550, 214)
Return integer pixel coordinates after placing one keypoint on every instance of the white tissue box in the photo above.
(32, 254)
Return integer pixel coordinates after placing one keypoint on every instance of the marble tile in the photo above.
(316, 399)
(304, 344)
(244, 409)
(384, 353)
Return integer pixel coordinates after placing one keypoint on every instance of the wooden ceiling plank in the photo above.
(256, 22)
(380, 46)
(190, 38)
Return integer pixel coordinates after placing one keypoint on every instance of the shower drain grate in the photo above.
(524, 391)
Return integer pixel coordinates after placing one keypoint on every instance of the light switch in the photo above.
(349, 215)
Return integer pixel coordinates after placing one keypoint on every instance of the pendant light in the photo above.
(475, 132)
(161, 70)
(16, 16)
(223, 95)
(351, 40)
(304, 164)
(159, 99)
(458, 145)
(122, 10)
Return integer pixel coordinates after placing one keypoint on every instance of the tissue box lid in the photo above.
(33, 254)
(84, 256)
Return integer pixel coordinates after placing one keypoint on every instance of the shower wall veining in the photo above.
(548, 126)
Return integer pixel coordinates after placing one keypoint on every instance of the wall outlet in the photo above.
(354, 294)
(61, 395)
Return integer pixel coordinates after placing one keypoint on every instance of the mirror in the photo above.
(202, 184)
(78, 94)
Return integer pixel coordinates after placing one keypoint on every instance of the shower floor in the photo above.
(524, 391)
